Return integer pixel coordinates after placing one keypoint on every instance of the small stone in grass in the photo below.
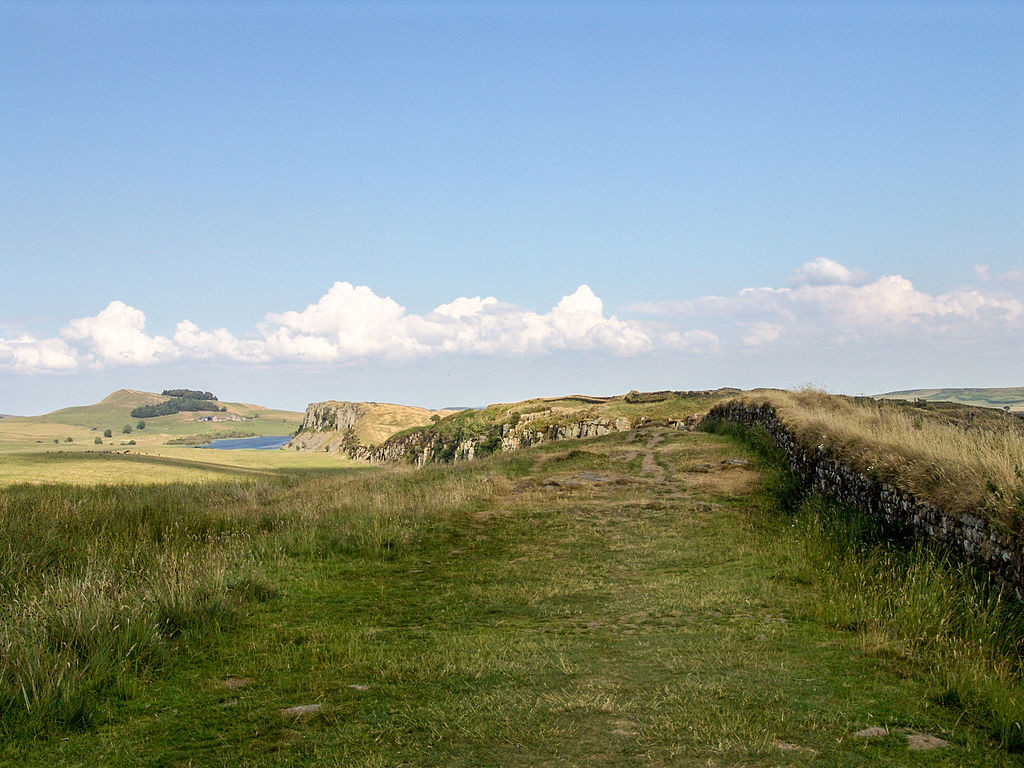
(920, 742)
(358, 687)
(301, 711)
(875, 732)
(234, 683)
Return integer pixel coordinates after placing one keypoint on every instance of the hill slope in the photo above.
(340, 425)
(991, 397)
(84, 423)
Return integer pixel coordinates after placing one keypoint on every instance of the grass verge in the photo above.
(904, 599)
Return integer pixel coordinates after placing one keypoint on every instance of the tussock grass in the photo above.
(972, 464)
(906, 601)
(915, 604)
(96, 583)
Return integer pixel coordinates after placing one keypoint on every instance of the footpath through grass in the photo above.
(627, 600)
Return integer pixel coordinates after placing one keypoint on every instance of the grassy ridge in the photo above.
(550, 412)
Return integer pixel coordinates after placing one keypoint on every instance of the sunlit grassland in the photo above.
(160, 464)
(905, 600)
(95, 583)
(626, 600)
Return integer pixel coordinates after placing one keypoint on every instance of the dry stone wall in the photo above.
(972, 537)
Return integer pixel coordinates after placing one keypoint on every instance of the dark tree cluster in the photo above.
(189, 394)
(181, 400)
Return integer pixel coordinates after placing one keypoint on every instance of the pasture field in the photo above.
(649, 598)
(147, 464)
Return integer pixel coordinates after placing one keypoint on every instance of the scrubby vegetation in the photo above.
(485, 427)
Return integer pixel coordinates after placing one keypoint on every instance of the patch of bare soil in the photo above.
(650, 465)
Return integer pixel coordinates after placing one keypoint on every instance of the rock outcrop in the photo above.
(419, 437)
(433, 445)
(346, 427)
(327, 426)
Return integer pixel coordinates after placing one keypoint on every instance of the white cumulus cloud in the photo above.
(27, 354)
(824, 271)
(351, 323)
(826, 301)
(117, 335)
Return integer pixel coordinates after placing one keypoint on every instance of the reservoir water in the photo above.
(266, 443)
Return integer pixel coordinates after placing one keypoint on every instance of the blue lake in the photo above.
(267, 443)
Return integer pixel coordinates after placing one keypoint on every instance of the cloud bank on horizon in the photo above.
(823, 302)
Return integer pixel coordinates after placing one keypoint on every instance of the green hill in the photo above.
(84, 423)
(1011, 398)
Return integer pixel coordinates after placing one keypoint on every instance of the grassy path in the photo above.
(615, 603)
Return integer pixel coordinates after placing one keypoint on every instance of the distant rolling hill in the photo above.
(84, 423)
(992, 397)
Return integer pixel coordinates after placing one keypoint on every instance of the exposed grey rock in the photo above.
(301, 711)
(875, 732)
(920, 742)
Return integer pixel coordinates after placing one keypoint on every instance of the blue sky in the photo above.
(457, 203)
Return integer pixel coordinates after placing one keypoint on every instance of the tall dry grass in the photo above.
(963, 465)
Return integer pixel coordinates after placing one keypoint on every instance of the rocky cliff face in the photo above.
(431, 445)
(328, 426)
(445, 436)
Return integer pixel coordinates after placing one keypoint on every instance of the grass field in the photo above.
(637, 599)
(148, 464)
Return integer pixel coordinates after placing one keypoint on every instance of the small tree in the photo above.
(69, 439)
(107, 433)
(97, 441)
(127, 429)
(141, 425)
(56, 441)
